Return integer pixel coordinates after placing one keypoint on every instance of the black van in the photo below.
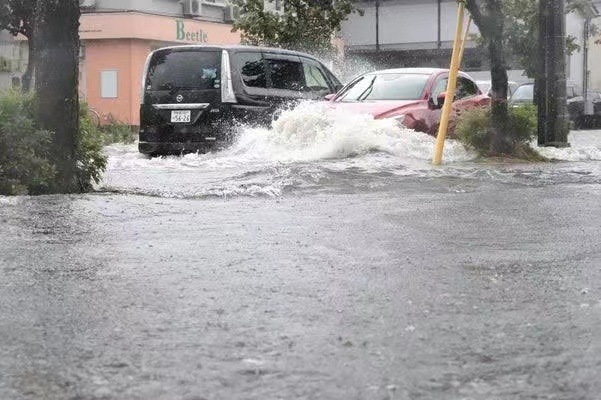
(192, 95)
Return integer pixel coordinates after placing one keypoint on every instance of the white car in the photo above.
(485, 87)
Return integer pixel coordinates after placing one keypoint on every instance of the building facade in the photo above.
(407, 33)
(13, 60)
(117, 36)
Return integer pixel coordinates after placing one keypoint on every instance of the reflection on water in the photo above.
(313, 147)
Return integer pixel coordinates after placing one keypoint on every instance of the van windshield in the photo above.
(191, 69)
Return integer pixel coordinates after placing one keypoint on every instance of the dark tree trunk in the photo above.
(56, 50)
(490, 24)
(500, 142)
(558, 112)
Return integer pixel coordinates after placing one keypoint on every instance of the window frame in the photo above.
(114, 93)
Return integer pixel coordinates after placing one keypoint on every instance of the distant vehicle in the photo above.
(524, 94)
(192, 95)
(412, 96)
(486, 87)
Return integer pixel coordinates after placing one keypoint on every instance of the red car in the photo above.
(413, 96)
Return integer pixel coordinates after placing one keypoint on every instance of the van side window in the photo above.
(286, 74)
(314, 78)
(252, 69)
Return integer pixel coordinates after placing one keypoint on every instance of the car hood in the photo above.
(378, 109)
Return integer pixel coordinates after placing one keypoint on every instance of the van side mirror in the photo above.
(329, 97)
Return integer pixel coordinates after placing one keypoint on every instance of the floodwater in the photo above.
(325, 258)
(313, 148)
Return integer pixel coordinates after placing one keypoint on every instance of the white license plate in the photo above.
(180, 116)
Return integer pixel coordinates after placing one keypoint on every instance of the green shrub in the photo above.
(474, 126)
(116, 132)
(91, 160)
(26, 165)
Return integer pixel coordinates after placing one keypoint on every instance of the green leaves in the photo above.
(307, 25)
(520, 27)
(26, 164)
(16, 16)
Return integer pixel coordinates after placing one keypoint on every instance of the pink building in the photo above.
(114, 50)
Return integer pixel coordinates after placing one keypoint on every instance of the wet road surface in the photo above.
(307, 280)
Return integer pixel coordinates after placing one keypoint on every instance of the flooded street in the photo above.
(323, 259)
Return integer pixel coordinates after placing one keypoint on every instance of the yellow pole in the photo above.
(448, 103)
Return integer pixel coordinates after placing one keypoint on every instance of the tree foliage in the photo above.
(488, 17)
(307, 25)
(520, 20)
(16, 16)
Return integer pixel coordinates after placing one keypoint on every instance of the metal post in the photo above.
(439, 31)
(450, 94)
(378, 26)
(588, 105)
(541, 87)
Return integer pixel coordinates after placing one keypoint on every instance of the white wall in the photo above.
(404, 24)
(594, 58)
(575, 63)
(164, 7)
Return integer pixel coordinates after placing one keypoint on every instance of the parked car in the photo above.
(524, 94)
(486, 87)
(412, 96)
(191, 95)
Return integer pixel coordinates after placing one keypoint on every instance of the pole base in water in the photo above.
(555, 144)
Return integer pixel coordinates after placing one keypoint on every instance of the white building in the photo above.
(421, 33)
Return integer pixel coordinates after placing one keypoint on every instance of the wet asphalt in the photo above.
(431, 288)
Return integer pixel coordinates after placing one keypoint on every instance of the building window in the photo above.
(108, 84)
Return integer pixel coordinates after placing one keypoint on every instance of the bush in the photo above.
(91, 161)
(474, 126)
(26, 165)
(116, 132)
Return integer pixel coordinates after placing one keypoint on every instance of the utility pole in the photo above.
(540, 84)
(377, 26)
(551, 78)
(588, 105)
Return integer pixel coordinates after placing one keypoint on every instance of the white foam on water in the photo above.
(313, 145)
(303, 146)
(584, 146)
(316, 131)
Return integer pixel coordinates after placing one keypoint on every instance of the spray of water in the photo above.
(584, 146)
(315, 131)
(314, 145)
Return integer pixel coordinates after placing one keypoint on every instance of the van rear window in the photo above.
(190, 69)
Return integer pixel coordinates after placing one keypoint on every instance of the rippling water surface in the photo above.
(314, 148)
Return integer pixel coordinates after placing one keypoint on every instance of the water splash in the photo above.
(315, 131)
(316, 147)
(584, 146)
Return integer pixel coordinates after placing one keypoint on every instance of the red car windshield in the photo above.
(387, 86)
